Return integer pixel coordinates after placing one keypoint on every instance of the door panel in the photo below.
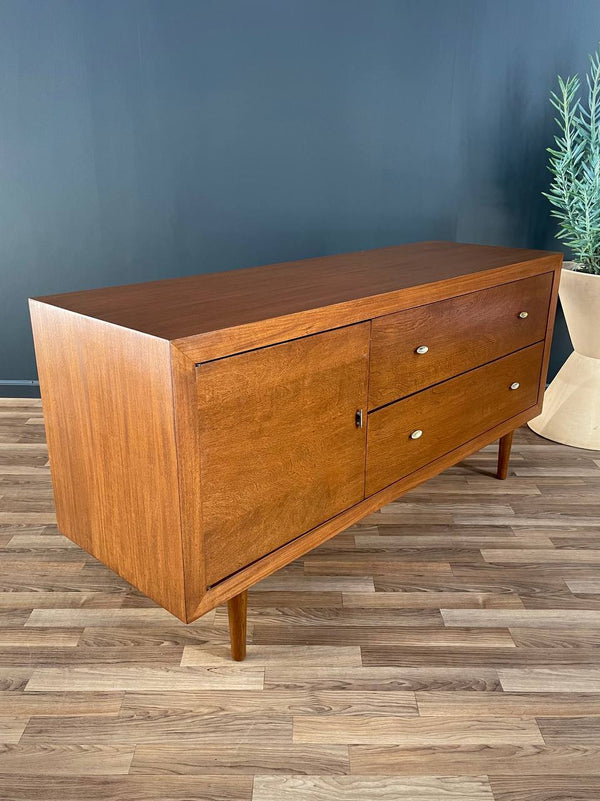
(280, 449)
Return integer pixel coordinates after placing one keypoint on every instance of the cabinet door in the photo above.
(280, 448)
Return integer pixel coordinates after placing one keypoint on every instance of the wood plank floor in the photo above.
(448, 647)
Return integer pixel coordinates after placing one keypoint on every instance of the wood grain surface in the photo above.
(449, 414)
(213, 315)
(280, 449)
(111, 439)
(459, 334)
(179, 307)
(412, 657)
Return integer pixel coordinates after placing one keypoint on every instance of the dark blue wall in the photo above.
(142, 139)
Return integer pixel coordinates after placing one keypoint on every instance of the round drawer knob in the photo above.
(523, 315)
(422, 349)
(515, 385)
(416, 434)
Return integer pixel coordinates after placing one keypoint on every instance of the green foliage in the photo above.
(575, 165)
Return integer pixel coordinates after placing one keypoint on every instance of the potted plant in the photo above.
(571, 413)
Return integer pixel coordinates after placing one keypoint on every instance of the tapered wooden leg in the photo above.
(504, 454)
(237, 608)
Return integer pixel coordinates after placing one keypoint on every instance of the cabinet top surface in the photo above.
(177, 308)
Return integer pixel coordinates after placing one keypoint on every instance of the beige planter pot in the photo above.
(571, 412)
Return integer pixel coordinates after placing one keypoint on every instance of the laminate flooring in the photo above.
(446, 648)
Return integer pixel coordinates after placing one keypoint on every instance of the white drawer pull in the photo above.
(515, 385)
(416, 434)
(523, 315)
(422, 349)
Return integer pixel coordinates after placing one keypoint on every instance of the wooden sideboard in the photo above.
(205, 431)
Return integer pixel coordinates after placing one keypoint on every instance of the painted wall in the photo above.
(142, 139)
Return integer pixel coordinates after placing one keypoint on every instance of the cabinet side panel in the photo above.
(108, 410)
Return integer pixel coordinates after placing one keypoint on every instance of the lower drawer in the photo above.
(448, 415)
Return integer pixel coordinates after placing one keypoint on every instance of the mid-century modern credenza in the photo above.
(205, 431)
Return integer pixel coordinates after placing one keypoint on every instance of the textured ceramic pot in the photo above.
(571, 413)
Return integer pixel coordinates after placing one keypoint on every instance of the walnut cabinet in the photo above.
(207, 430)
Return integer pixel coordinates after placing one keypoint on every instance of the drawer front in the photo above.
(456, 335)
(448, 415)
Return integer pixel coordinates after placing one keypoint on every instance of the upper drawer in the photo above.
(455, 335)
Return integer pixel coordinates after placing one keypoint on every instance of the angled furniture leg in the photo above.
(237, 610)
(504, 454)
